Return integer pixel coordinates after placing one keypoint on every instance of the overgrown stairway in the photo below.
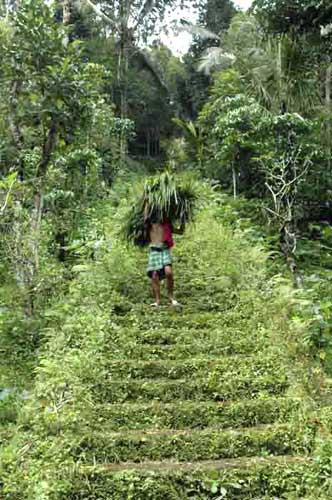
(205, 401)
(199, 402)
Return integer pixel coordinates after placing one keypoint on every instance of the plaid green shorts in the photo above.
(159, 257)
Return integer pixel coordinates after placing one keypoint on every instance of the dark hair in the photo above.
(155, 217)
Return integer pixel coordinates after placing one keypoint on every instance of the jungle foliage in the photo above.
(94, 112)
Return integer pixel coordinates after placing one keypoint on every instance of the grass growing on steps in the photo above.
(195, 445)
(167, 390)
(132, 403)
(200, 414)
(280, 477)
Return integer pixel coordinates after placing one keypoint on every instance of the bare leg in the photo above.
(170, 281)
(156, 287)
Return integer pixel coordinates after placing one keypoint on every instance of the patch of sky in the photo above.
(179, 40)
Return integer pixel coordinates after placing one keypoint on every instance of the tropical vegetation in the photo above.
(228, 395)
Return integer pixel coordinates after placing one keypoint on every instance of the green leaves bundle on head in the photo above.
(165, 196)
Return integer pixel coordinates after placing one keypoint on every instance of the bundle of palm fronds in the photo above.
(164, 197)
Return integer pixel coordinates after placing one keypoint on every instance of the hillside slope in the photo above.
(203, 401)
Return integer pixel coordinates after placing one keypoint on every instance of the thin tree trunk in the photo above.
(122, 75)
(36, 215)
(328, 79)
(280, 77)
(158, 142)
(148, 144)
(122, 65)
(61, 238)
(234, 175)
(15, 129)
(67, 10)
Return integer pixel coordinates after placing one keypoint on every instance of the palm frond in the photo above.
(189, 128)
(199, 31)
(215, 58)
(145, 61)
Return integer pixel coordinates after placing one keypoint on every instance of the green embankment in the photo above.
(208, 401)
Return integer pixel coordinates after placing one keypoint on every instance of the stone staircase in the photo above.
(195, 410)
(203, 402)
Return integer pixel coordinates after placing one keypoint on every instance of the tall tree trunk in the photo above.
(15, 130)
(328, 78)
(67, 9)
(66, 12)
(280, 77)
(234, 176)
(122, 76)
(61, 236)
(123, 99)
(38, 202)
(61, 240)
(148, 144)
(48, 146)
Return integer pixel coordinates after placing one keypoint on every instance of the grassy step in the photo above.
(144, 318)
(166, 390)
(198, 414)
(182, 350)
(168, 335)
(202, 366)
(193, 445)
(244, 478)
(209, 465)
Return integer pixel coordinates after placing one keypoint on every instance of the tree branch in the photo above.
(4, 206)
(99, 12)
(47, 151)
(145, 11)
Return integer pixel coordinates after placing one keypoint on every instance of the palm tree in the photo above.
(274, 68)
(193, 136)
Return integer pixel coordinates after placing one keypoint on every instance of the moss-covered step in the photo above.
(187, 348)
(197, 414)
(244, 478)
(145, 318)
(181, 343)
(190, 445)
(168, 335)
(167, 390)
(220, 367)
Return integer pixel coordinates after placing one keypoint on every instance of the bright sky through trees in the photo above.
(243, 4)
(180, 43)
